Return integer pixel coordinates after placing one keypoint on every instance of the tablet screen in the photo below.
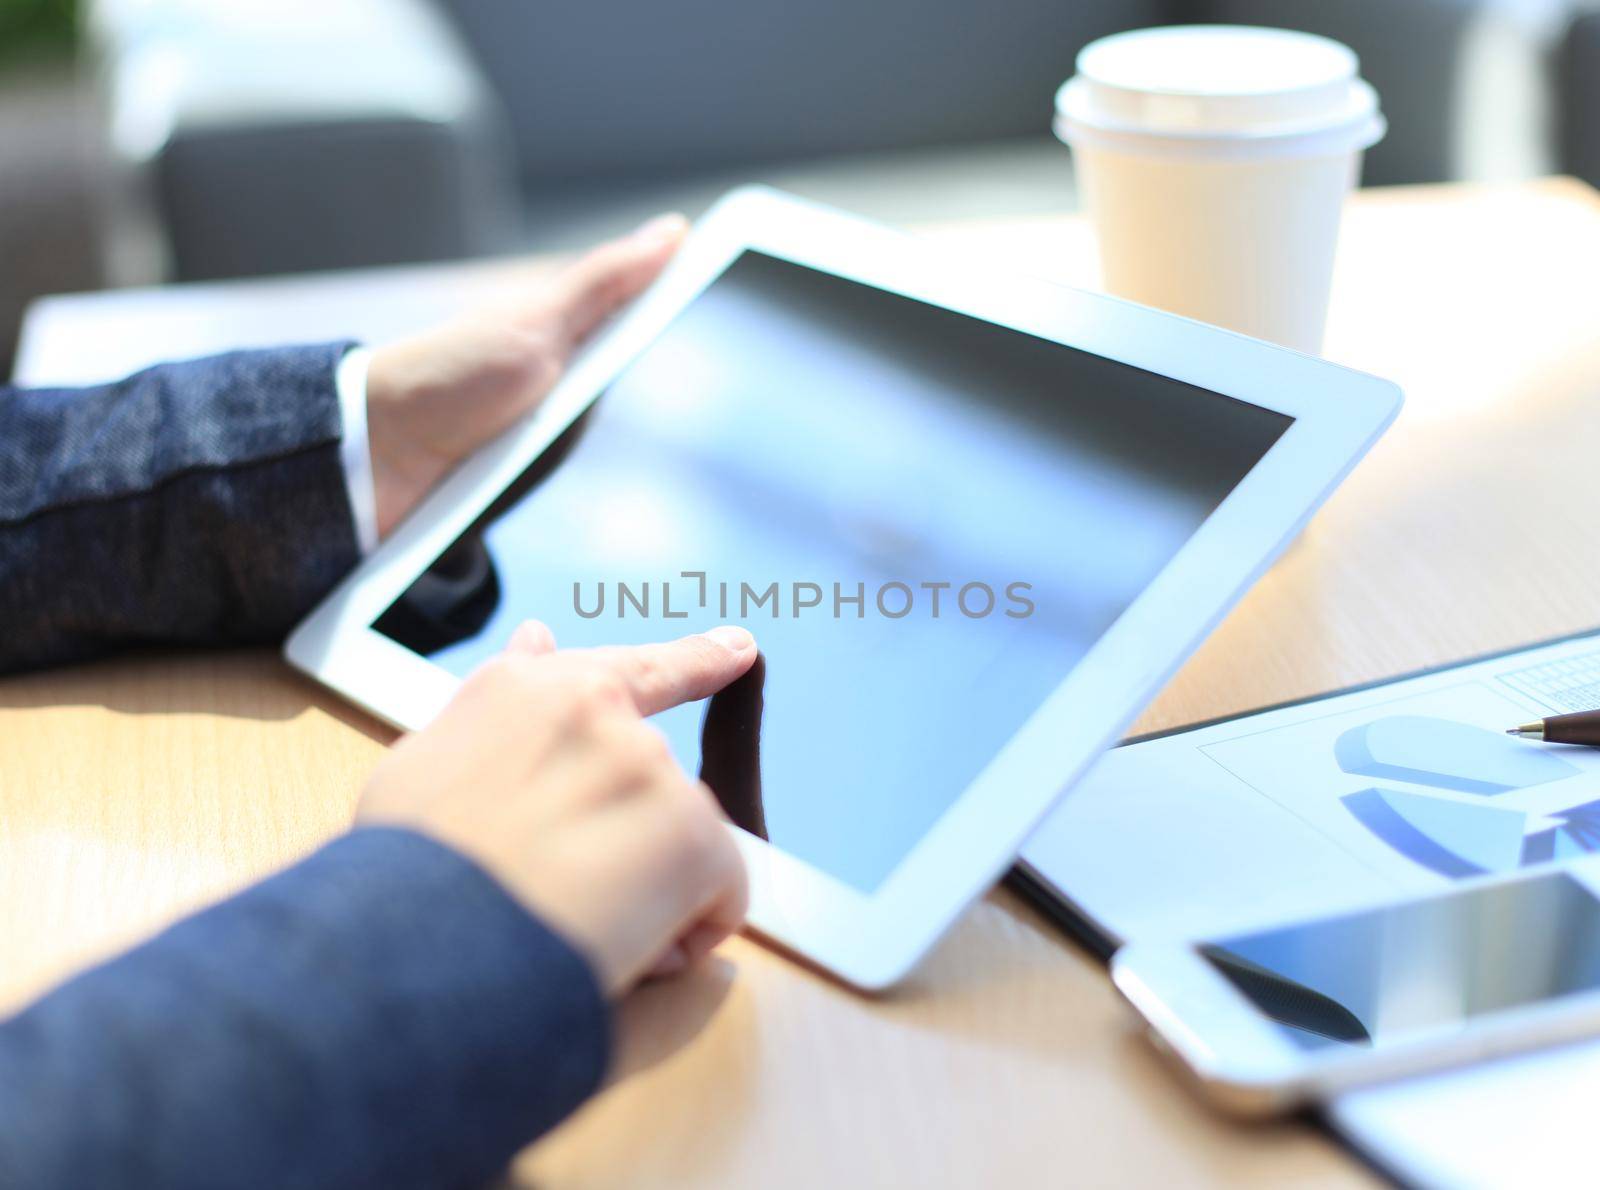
(926, 520)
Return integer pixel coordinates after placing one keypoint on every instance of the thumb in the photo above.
(605, 278)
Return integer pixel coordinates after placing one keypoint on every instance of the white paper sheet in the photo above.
(1519, 1122)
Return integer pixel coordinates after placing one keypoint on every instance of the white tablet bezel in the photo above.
(871, 940)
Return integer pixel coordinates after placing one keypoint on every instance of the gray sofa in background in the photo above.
(1410, 50)
(631, 87)
(1578, 103)
(376, 131)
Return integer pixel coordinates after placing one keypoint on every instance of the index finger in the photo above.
(685, 670)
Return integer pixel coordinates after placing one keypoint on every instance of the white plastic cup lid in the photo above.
(1219, 90)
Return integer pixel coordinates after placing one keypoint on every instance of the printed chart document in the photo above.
(1344, 801)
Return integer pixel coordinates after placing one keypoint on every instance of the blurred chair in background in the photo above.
(276, 136)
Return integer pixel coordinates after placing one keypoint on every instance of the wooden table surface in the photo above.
(134, 790)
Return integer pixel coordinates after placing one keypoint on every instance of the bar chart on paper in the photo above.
(1432, 777)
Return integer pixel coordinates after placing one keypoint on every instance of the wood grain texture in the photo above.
(134, 790)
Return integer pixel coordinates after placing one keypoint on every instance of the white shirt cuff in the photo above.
(355, 452)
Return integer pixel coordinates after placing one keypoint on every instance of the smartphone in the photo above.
(1269, 1020)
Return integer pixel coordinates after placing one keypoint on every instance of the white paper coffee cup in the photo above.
(1214, 161)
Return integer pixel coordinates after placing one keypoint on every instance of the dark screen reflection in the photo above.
(1289, 1002)
(450, 602)
(730, 749)
(800, 431)
(1388, 975)
(454, 599)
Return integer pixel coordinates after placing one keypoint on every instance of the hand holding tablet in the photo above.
(435, 398)
(974, 521)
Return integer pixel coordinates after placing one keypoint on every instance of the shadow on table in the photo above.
(683, 1081)
(237, 683)
(1004, 977)
(995, 973)
(661, 1018)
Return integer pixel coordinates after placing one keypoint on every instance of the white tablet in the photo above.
(974, 520)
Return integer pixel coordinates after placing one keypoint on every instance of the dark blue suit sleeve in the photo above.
(200, 502)
(382, 1014)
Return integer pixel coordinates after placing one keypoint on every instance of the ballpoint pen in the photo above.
(1580, 728)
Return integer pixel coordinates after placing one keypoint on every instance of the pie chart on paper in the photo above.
(1446, 755)
(1452, 837)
